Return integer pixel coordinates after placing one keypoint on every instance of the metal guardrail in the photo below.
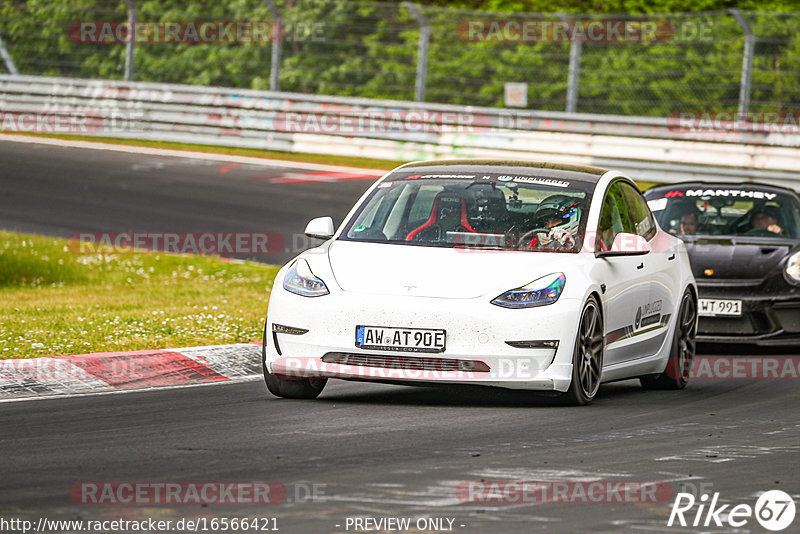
(647, 148)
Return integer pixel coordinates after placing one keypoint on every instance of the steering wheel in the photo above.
(737, 225)
(762, 232)
(530, 234)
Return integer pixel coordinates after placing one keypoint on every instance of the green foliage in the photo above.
(369, 49)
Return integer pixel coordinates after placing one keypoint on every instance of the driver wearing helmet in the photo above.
(557, 220)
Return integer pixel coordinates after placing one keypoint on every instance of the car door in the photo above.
(660, 265)
(627, 280)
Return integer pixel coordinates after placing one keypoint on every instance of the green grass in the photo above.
(644, 186)
(54, 301)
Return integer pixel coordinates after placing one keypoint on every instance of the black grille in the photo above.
(789, 319)
(733, 325)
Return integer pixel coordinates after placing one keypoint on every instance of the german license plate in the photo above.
(719, 308)
(400, 339)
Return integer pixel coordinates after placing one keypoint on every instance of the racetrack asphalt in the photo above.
(365, 449)
(63, 191)
(386, 451)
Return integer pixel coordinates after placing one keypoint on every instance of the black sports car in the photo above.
(744, 245)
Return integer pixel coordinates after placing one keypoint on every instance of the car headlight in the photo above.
(300, 280)
(792, 270)
(540, 292)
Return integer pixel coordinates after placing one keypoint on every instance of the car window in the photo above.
(641, 218)
(688, 210)
(614, 217)
(423, 202)
(485, 210)
(371, 222)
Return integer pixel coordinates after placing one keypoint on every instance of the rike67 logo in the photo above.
(774, 510)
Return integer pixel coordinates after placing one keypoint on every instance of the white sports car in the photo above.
(520, 275)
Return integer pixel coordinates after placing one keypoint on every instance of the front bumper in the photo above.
(765, 320)
(477, 331)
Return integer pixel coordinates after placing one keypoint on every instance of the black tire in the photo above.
(679, 365)
(587, 356)
(300, 388)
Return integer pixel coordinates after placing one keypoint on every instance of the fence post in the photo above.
(422, 50)
(277, 47)
(573, 78)
(747, 61)
(12, 69)
(129, 46)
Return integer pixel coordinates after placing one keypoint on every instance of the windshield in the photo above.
(729, 211)
(485, 210)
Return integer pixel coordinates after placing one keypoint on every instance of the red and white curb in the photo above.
(105, 372)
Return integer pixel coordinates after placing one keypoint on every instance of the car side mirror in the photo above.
(320, 228)
(626, 245)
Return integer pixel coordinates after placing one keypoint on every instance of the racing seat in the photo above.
(449, 214)
(486, 208)
(670, 218)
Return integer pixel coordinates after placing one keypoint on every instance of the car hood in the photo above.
(736, 257)
(408, 270)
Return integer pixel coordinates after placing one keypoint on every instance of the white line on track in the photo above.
(188, 154)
